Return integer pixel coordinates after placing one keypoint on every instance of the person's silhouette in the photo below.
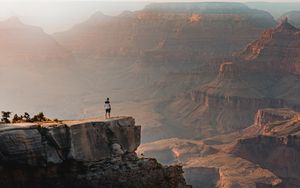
(107, 108)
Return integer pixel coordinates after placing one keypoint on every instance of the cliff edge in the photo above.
(85, 153)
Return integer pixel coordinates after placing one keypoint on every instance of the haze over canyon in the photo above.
(215, 86)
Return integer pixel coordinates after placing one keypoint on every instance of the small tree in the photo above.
(5, 117)
(39, 117)
(27, 117)
(17, 119)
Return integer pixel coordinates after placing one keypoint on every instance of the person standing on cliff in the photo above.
(107, 108)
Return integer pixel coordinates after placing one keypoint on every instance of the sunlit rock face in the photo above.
(277, 146)
(278, 50)
(81, 141)
(264, 75)
(90, 153)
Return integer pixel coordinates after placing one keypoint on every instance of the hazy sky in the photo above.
(59, 15)
(204, 0)
(148, 0)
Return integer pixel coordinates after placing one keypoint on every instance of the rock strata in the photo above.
(276, 148)
(264, 75)
(277, 50)
(169, 32)
(86, 153)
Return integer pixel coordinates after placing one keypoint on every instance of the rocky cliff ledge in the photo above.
(86, 153)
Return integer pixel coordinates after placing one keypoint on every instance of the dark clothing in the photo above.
(107, 107)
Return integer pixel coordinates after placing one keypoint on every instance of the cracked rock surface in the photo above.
(86, 153)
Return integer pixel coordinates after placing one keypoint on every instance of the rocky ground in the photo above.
(86, 153)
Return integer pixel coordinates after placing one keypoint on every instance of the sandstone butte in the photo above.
(86, 153)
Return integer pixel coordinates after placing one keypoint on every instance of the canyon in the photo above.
(219, 148)
(145, 52)
(215, 86)
(263, 75)
(264, 154)
(157, 48)
(174, 33)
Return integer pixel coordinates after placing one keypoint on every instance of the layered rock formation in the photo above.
(157, 55)
(187, 40)
(88, 153)
(276, 147)
(209, 166)
(264, 75)
(171, 32)
(263, 155)
(276, 51)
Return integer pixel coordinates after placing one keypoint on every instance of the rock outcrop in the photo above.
(277, 50)
(87, 153)
(294, 18)
(277, 145)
